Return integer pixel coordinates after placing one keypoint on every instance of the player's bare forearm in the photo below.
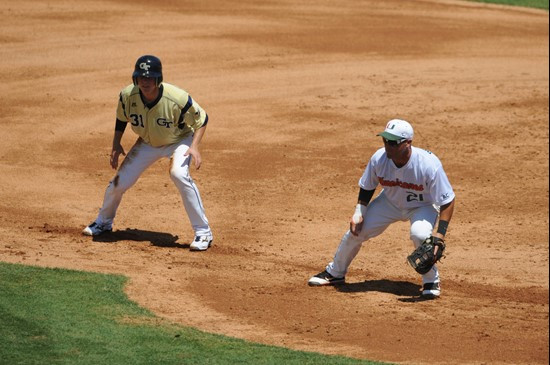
(117, 138)
(117, 149)
(197, 137)
(194, 148)
(445, 215)
(446, 211)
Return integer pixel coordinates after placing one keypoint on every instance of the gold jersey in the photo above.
(171, 117)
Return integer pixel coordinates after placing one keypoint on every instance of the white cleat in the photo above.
(201, 243)
(431, 290)
(96, 229)
(324, 278)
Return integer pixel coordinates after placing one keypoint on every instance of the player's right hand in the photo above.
(355, 226)
(115, 153)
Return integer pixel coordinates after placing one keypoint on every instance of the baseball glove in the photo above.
(423, 258)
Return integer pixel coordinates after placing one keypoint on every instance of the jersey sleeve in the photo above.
(121, 109)
(192, 115)
(441, 189)
(369, 180)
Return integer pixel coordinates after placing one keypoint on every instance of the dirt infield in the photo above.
(295, 92)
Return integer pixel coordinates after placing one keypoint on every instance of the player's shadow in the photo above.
(160, 239)
(399, 288)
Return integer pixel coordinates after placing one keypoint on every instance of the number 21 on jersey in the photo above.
(414, 197)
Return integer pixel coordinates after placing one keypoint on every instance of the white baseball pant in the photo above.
(378, 215)
(138, 159)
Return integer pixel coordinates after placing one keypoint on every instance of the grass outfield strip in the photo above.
(539, 4)
(57, 316)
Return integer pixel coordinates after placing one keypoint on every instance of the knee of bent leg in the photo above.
(420, 230)
(180, 174)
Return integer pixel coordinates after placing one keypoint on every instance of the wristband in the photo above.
(442, 227)
(365, 195)
(357, 216)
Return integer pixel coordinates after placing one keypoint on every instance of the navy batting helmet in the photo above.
(148, 66)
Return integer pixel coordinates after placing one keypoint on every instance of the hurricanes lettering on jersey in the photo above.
(402, 184)
(167, 120)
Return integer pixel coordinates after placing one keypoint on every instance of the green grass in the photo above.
(57, 316)
(538, 4)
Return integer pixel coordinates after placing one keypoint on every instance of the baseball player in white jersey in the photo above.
(415, 188)
(169, 124)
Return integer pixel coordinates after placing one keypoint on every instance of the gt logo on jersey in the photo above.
(163, 122)
(414, 197)
(144, 66)
(137, 121)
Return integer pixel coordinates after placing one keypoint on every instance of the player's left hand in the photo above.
(423, 258)
(196, 155)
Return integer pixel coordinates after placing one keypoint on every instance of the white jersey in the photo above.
(422, 181)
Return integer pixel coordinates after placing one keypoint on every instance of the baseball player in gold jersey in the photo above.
(169, 124)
